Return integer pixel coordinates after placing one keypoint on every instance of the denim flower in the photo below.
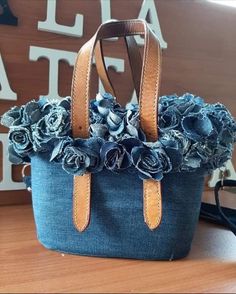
(75, 161)
(183, 143)
(129, 143)
(104, 96)
(94, 115)
(58, 122)
(15, 157)
(59, 147)
(147, 162)
(104, 103)
(165, 102)
(47, 104)
(98, 130)
(54, 125)
(173, 108)
(162, 154)
(93, 105)
(12, 117)
(173, 150)
(188, 103)
(83, 156)
(31, 113)
(115, 156)
(218, 157)
(95, 118)
(197, 126)
(65, 103)
(168, 120)
(132, 125)
(20, 142)
(116, 120)
(198, 154)
(223, 123)
(191, 161)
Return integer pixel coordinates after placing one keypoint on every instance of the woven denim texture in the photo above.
(117, 227)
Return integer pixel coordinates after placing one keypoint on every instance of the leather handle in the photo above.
(149, 93)
(135, 61)
(149, 86)
(101, 69)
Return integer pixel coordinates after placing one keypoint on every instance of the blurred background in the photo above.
(39, 40)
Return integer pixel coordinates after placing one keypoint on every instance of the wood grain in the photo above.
(27, 267)
(201, 54)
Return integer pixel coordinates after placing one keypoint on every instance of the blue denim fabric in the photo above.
(117, 227)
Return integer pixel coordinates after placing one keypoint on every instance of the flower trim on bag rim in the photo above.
(192, 134)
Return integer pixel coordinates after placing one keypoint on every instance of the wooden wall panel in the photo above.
(200, 58)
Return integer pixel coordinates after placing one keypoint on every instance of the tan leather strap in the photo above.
(101, 69)
(135, 61)
(149, 88)
(81, 201)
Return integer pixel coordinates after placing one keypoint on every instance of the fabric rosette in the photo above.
(54, 125)
(197, 127)
(151, 161)
(82, 156)
(12, 117)
(20, 144)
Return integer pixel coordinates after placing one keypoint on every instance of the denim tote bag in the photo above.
(116, 226)
(115, 181)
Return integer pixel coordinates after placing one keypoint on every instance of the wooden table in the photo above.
(27, 267)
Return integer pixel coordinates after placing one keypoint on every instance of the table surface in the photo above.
(26, 266)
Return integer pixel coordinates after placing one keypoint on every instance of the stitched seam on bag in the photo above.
(73, 92)
(146, 191)
(77, 192)
(154, 126)
(87, 177)
(155, 107)
(75, 203)
(146, 184)
(158, 192)
(145, 204)
(75, 206)
(159, 206)
(159, 198)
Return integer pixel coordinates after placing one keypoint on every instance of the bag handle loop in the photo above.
(148, 99)
(135, 61)
(150, 79)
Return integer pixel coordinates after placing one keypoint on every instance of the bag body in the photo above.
(116, 228)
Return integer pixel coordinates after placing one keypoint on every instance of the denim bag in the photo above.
(119, 182)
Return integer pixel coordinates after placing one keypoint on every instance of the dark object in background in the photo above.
(7, 17)
(217, 214)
